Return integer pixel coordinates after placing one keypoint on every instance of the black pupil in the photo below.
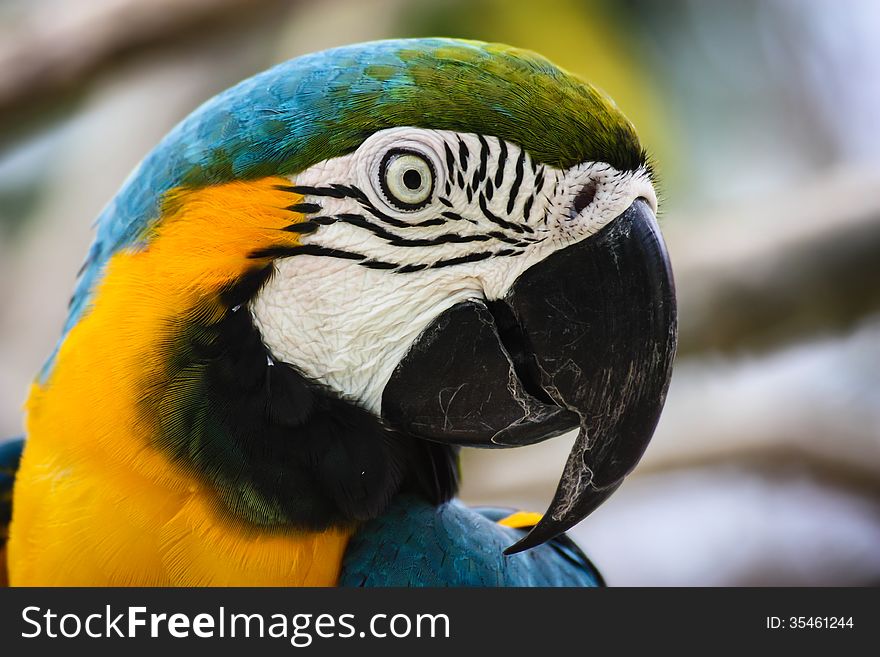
(412, 179)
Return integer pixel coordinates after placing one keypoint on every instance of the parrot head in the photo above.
(333, 275)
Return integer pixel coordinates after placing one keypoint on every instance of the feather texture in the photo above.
(325, 104)
(416, 544)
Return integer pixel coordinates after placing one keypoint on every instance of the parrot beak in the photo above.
(583, 339)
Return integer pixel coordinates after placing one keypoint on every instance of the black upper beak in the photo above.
(584, 339)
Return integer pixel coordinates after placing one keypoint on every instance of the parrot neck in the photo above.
(105, 497)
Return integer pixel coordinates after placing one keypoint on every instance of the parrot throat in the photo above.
(280, 450)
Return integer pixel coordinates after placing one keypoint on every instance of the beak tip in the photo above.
(521, 545)
(549, 527)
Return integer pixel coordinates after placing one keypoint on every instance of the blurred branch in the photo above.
(61, 46)
(820, 400)
(804, 262)
(773, 462)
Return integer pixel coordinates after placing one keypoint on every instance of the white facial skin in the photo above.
(343, 321)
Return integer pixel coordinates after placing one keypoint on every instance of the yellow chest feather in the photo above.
(95, 502)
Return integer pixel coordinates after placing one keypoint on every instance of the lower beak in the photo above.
(583, 339)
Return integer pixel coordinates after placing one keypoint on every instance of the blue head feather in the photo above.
(325, 104)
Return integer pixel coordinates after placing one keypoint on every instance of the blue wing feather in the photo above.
(416, 544)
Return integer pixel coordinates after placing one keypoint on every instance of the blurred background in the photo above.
(763, 118)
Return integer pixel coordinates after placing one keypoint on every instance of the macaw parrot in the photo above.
(312, 292)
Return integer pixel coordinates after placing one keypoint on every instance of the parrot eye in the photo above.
(407, 179)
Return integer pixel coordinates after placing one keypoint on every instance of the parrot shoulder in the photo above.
(10, 455)
(415, 543)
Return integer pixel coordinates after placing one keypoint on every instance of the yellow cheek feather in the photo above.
(95, 503)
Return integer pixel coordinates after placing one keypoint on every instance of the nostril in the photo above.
(584, 197)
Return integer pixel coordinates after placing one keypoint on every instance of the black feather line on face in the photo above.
(280, 450)
(471, 188)
(450, 158)
(502, 161)
(527, 208)
(480, 174)
(517, 181)
(484, 208)
(463, 154)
